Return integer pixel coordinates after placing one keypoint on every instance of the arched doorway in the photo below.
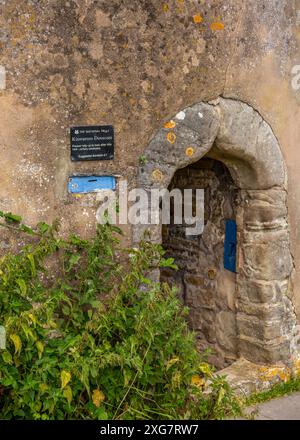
(235, 134)
(203, 283)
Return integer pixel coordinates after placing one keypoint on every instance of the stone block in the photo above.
(266, 259)
(194, 280)
(264, 209)
(261, 291)
(264, 311)
(209, 331)
(264, 330)
(265, 353)
(195, 319)
(199, 298)
(226, 331)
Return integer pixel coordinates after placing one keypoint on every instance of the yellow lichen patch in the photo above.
(170, 124)
(165, 7)
(297, 367)
(197, 381)
(217, 26)
(269, 373)
(197, 19)
(285, 376)
(171, 137)
(189, 151)
(157, 175)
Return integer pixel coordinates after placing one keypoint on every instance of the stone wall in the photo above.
(265, 319)
(204, 285)
(134, 64)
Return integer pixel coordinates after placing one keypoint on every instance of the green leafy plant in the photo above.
(278, 390)
(90, 336)
(143, 159)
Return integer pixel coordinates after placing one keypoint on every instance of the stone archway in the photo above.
(234, 133)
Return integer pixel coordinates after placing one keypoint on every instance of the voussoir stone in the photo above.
(248, 147)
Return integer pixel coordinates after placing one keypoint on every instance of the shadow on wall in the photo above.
(204, 285)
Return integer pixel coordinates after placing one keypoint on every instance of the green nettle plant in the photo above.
(95, 338)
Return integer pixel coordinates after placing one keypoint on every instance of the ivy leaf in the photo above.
(32, 318)
(17, 343)
(43, 227)
(98, 397)
(28, 332)
(101, 414)
(73, 261)
(206, 369)
(40, 348)
(77, 241)
(12, 218)
(168, 262)
(68, 394)
(117, 230)
(171, 362)
(22, 285)
(221, 396)
(65, 378)
(32, 264)
(6, 356)
(43, 387)
(26, 229)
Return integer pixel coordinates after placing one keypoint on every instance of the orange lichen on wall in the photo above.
(189, 151)
(170, 124)
(217, 26)
(157, 175)
(197, 19)
(171, 137)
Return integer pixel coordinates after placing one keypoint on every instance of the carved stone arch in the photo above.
(234, 133)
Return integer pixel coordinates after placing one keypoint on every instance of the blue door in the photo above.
(230, 246)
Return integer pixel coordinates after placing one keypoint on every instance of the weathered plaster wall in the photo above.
(133, 64)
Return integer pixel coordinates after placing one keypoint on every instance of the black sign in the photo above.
(92, 143)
